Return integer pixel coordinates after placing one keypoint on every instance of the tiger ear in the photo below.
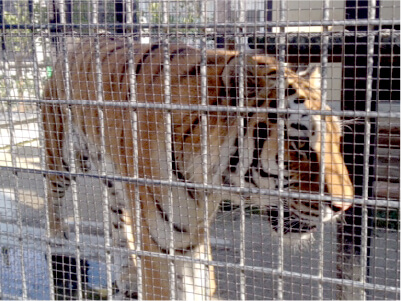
(313, 75)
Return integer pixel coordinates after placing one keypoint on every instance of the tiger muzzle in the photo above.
(292, 223)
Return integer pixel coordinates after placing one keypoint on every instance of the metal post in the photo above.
(205, 275)
(241, 150)
(16, 181)
(281, 148)
(94, 4)
(324, 62)
(351, 229)
(70, 145)
(168, 139)
(130, 19)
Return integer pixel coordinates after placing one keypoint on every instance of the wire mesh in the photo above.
(174, 152)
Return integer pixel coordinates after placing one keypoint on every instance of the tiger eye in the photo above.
(290, 91)
(301, 144)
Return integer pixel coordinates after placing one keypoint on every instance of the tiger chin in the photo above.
(243, 149)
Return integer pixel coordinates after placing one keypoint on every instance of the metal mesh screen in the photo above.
(207, 149)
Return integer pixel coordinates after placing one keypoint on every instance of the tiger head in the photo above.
(304, 151)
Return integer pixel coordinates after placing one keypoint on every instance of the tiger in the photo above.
(180, 164)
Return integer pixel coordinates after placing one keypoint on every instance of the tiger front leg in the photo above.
(196, 281)
(154, 270)
(64, 264)
(57, 186)
(124, 260)
(123, 239)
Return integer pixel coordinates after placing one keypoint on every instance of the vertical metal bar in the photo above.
(168, 138)
(48, 235)
(4, 58)
(281, 148)
(354, 94)
(102, 165)
(36, 73)
(15, 184)
(241, 150)
(73, 170)
(204, 144)
(367, 133)
(43, 166)
(42, 157)
(134, 128)
(322, 166)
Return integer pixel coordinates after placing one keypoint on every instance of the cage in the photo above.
(204, 149)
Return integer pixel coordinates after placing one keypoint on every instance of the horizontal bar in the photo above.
(237, 190)
(387, 37)
(305, 47)
(235, 25)
(175, 257)
(210, 108)
(308, 47)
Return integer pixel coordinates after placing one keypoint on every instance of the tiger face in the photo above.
(302, 157)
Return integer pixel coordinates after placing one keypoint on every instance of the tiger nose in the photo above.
(342, 204)
(339, 187)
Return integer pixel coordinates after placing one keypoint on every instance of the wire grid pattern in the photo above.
(356, 57)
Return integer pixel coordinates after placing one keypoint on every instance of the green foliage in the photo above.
(181, 12)
(155, 12)
(16, 39)
(80, 12)
(17, 75)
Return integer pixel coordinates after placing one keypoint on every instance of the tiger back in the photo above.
(163, 152)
